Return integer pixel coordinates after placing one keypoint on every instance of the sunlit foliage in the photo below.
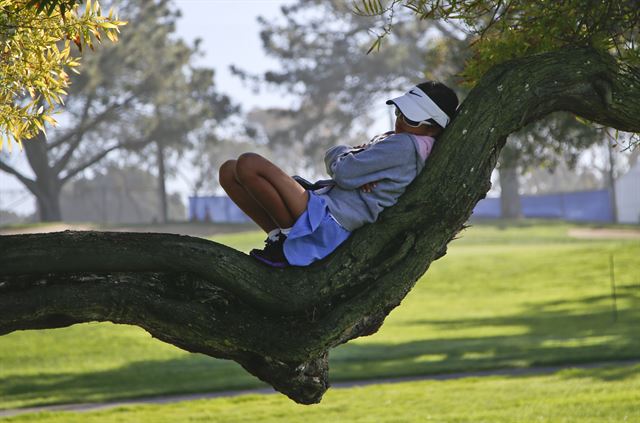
(36, 52)
(506, 29)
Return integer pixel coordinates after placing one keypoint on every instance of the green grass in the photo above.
(513, 296)
(573, 395)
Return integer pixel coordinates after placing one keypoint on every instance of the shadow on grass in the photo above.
(190, 374)
(607, 374)
(552, 333)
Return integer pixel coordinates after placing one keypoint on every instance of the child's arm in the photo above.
(352, 171)
(332, 155)
(334, 152)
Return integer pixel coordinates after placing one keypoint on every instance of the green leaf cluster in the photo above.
(369, 7)
(507, 29)
(36, 53)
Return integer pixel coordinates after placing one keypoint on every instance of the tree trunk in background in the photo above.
(611, 182)
(162, 191)
(47, 185)
(510, 205)
(635, 155)
(280, 324)
(49, 204)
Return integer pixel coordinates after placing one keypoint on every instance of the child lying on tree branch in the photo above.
(305, 225)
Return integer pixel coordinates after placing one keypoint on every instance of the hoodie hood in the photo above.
(423, 145)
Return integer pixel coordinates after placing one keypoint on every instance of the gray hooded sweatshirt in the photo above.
(392, 162)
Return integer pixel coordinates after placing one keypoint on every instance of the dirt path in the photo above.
(604, 233)
(337, 385)
(203, 230)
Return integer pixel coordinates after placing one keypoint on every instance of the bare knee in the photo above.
(227, 173)
(247, 166)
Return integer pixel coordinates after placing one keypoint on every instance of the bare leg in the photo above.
(279, 195)
(270, 197)
(241, 197)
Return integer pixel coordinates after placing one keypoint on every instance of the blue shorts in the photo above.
(315, 234)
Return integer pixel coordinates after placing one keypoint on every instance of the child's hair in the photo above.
(443, 96)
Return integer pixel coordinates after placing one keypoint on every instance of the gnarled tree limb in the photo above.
(280, 324)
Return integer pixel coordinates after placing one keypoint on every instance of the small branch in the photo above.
(447, 32)
(130, 144)
(79, 133)
(6, 168)
(29, 183)
(107, 113)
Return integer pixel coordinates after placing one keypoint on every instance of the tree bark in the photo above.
(280, 323)
(49, 203)
(47, 184)
(162, 190)
(510, 205)
(611, 182)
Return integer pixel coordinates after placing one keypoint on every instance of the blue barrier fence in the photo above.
(586, 206)
(589, 206)
(217, 209)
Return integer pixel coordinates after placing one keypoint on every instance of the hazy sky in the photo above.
(230, 35)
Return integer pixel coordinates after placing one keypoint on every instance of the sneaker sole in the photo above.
(277, 264)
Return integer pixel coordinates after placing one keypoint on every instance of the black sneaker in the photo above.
(273, 253)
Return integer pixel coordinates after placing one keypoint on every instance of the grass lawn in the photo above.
(573, 395)
(513, 296)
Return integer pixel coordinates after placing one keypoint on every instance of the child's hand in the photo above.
(369, 187)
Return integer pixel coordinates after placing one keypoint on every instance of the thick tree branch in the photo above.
(37, 160)
(280, 324)
(29, 183)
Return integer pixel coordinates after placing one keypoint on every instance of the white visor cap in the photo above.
(416, 105)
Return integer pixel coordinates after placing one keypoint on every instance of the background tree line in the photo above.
(143, 103)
